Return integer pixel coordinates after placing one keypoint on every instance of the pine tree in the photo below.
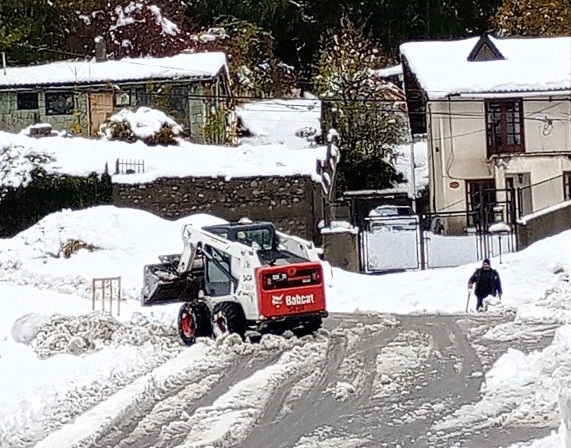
(254, 69)
(26, 26)
(533, 18)
(360, 107)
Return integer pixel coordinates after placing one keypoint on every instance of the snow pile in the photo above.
(400, 357)
(146, 124)
(76, 335)
(565, 406)
(17, 162)
(126, 239)
(524, 390)
(46, 395)
(521, 390)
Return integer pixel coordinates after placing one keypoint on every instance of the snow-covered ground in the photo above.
(52, 346)
(78, 156)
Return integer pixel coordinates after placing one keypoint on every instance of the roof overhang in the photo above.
(520, 94)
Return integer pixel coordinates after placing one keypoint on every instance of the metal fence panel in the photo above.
(447, 250)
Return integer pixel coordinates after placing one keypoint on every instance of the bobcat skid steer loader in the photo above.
(239, 278)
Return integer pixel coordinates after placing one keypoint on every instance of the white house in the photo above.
(496, 113)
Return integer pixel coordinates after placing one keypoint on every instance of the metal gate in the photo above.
(390, 243)
(399, 243)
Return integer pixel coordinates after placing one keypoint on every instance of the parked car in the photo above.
(392, 210)
(390, 218)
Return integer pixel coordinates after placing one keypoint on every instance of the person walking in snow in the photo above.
(487, 281)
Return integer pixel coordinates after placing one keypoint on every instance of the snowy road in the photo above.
(365, 381)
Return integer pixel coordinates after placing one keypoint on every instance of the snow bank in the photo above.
(565, 406)
(525, 276)
(80, 157)
(125, 240)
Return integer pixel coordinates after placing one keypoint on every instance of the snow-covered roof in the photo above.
(181, 66)
(291, 122)
(528, 65)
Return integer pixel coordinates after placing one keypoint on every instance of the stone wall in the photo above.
(184, 101)
(14, 120)
(544, 225)
(294, 204)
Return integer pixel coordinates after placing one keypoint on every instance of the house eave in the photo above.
(99, 84)
(529, 155)
(516, 94)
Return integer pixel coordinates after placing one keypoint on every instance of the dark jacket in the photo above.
(487, 282)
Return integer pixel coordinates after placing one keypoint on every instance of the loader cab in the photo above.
(260, 236)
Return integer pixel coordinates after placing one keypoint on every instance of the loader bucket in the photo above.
(162, 285)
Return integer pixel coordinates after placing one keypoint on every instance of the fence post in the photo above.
(110, 285)
(422, 243)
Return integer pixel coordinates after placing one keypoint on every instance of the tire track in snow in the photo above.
(328, 399)
(310, 392)
(230, 418)
(190, 366)
(165, 424)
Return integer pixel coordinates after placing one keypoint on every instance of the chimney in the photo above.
(100, 51)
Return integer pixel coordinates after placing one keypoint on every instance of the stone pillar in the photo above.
(341, 249)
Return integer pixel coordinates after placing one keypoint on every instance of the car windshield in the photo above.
(391, 210)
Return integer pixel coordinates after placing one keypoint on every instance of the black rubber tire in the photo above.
(309, 327)
(228, 318)
(203, 319)
(193, 322)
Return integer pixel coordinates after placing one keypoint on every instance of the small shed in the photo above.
(78, 96)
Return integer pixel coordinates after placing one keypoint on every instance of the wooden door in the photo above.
(100, 109)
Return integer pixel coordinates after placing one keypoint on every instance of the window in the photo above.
(122, 99)
(480, 202)
(218, 278)
(27, 101)
(143, 97)
(567, 185)
(59, 103)
(504, 125)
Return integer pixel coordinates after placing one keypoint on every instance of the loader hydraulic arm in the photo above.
(298, 246)
(195, 238)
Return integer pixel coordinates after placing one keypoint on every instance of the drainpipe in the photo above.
(433, 168)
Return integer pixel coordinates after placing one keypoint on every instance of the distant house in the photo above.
(80, 95)
(496, 114)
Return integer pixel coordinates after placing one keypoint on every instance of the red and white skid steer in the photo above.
(241, 278)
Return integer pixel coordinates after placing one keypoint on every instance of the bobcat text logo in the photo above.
(299, 299)
(277, 301)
